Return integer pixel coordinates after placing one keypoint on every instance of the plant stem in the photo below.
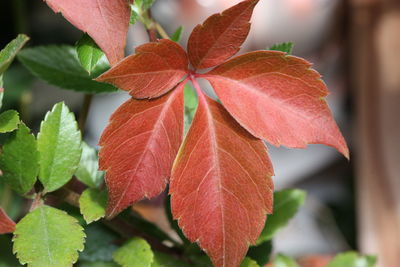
(87, 101)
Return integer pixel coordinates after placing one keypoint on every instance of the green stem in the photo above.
(87, 101)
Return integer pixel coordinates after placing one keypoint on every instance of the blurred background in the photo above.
(354, 44)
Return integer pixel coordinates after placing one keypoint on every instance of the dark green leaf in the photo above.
(59, 145)
(93, 204)
(136, 252)
(48, 237)
(89, 53)
(9, 121)
(352, 259)
(284, 261)
(283, 47)
(165, 260)
(176, 37)
(10, 51)
(261, 253)
(59, 65)
(20, 160)
(286, 205)
(88, 170)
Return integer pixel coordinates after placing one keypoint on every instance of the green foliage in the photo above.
(20, 160)
(286, 205)
(135, 253)
(88, 169)
(9, 121)
(247, 262)
(59, 65)
(283, 47)
(177, 35)
(89, 53)
(98, 264)
(7, 259)
(10, 51)
(93, 204)
(261, 253)
(190, 105)
(59, 145)
(284, 261)
(165, 260)
(352, 259)
(48, 237)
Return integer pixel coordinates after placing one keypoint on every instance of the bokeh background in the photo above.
(354, 44)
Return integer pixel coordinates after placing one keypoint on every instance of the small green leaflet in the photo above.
(176, 37)
(10, 51)
(190, 105)
(93, 204)
(89, 53)
(48, 237)
(286, 205)
(352, 259)
(9, 121)
(247, 262)
(136, 252)
(283, 47)
(59, 145)
(59, 65)
(88, 170)
(20, 160)
(284, 261)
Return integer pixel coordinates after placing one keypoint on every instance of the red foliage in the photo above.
(6, 224)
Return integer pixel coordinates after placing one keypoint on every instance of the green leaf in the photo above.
(1, 90)
(136, 252)
(176, 37)
(286, 205)
(165, 260)
(20, 160)
(93, 204)
(48, 237)
(261, 253)
(134, 15)
(247, 262)
(283, 47)
(59, 145)
(352, 259)
(10, 51)
(89, 53)
(9, 121)
(285, 261)
(88, 169)
(7, 259)
(190, 105)
(98, 264)
(59, 65)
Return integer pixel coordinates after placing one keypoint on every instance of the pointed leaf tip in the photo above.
(6, 224)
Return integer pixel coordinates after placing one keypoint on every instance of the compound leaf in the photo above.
(136, 252)
(93, 204)
(48, 237)
(6, 224)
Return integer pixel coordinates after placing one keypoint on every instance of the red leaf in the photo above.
(221, 186)
(220, 36)
(154, 70)
(278, 98)
(139, 146)
(6, 224)
(105, 21)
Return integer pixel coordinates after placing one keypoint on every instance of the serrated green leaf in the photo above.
(59, 65)
(93, 204)
(89, 53)
(165, 260)
(100, 243)
(247, 262)
(19, 161)
(176, 37)
(286, 205)
(135, 253)
(190, 105)
(88, 169)
(283, 47)
(59, 145)
(261, 253)
(352, 259)
(9, 121)
(8, 53)
(48, 237)
(284, 261)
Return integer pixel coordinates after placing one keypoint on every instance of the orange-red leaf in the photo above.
(105, 21)
(220, 36)
(154, 70)
(221, 186)
(6, 224)
(278, 98)
(139, 146)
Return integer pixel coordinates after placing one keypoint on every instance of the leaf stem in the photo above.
(87, 101)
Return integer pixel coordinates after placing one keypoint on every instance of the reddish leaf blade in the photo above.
(105, 21)
(154, 70)
(220, 36)
(278, 98)
(221, 186)
(139, 146)
(6, 224)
